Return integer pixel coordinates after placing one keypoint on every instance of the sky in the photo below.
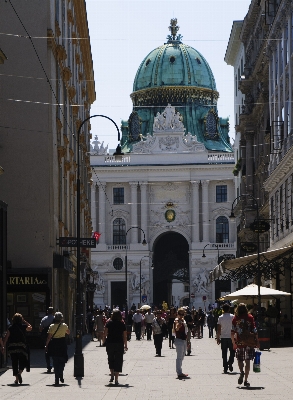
(123, 32)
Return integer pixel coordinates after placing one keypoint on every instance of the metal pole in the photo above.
(258, 268)
(140, 283)
(78, 355)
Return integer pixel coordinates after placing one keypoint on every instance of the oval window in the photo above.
(118, 264)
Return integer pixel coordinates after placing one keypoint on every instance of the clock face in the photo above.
(170, 215)
(211, 123)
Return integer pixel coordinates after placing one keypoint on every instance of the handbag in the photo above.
(49, 348)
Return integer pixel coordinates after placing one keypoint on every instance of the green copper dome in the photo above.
(179, 75)
(174, 64)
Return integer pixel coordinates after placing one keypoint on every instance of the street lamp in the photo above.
(78, 355)
(140, 277)
(144, 243)
(232, 218)
(203, 253)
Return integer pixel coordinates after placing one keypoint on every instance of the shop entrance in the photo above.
(118, 294)
(171, 264)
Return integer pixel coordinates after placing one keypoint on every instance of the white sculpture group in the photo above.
(169, 120)
(99, 150)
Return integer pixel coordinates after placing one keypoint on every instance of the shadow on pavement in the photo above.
(126, 386)
(14, 385)
(251, 388)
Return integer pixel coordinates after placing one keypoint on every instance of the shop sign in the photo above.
(260, 226)
(27, 280)
(248, 247)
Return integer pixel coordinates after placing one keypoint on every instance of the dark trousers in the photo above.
(149, 331)
(158, 342)
(211, 331)
(47, 358)
(171, 338)
(18, 361)
(59, 364)
(201, 330)
(137, 327)
(115, 356)
(226, 344)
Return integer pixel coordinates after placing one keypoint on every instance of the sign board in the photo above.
(204, 298)
(72, 242)
(192, 295)
(249, 247)
(144, 299)
(260, 226)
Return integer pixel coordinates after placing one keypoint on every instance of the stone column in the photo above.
(195, 211)
(102, 212)
(144, 208)
(93, 206)
(133, 212)
(205, 210)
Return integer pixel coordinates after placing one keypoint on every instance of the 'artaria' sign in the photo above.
(27, 280)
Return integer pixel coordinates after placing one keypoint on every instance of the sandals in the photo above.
(116, 383)
(19, 378)
(240, 379)
(247, 384)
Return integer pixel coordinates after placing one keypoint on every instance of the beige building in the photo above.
(47, 89)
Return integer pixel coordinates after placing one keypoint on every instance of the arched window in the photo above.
(222, 230)
(118, 264)
(119, 236)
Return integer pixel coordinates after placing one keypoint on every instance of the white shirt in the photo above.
(225, 320)
(149, 318)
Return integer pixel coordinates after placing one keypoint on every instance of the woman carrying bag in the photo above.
(56, 346)
(17, 347)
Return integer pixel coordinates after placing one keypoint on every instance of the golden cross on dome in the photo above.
(174, 28)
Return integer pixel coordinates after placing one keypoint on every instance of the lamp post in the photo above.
(140, 277)
(203, 253)
(144, 243)
(232, 217)
(78, 355)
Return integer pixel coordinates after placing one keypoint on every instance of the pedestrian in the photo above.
(17, 347)
(99, 326)
(224, 337)
(149, 317)
(180, 328)
(56, 346)
(201, 320)
(243, 327)
(189, 321)
(170, 324)
(115, 338)
(44, 327)
(159, 331)
(211, 324)
(137, 318)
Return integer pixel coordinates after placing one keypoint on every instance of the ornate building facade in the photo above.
(173, 187)
(47, 89)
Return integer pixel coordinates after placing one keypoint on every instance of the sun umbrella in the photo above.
(145, 307)
(251, 291)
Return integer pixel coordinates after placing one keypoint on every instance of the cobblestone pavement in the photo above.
(148, 377)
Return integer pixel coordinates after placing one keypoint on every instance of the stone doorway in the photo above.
(171, 262)
(118, 294)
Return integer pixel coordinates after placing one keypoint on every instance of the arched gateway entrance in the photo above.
(171, 263)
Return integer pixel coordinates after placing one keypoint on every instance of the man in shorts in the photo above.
(240, 323)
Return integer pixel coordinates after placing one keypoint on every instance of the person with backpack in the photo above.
(44, 327)
(211, 323)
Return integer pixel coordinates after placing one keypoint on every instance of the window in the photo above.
(118, 195)
(186, 288)
(119, 236)
(118, 264)
(221, 193)
(222, 230)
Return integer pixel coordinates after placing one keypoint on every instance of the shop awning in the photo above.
(272, 263)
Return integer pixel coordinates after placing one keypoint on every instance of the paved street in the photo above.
(148, 377)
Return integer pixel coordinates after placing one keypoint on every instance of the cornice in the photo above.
(82, 28)
(280, 172)
(234, 44)
(171, 94)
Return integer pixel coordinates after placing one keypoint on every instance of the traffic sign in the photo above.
(192, 295)
(144, 299)
(72, 242)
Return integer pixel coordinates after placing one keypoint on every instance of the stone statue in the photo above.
(201, 282)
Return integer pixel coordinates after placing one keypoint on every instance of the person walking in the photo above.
(201, 321)
(115, 338)
(100, 326)
(243, 325)
(149, 317)
(137, 318)
(159, 331)
(17, 348)
(180, 329)
(224, 328)
(211, 324)
(44, 327)
(170, 324)
(56, 346)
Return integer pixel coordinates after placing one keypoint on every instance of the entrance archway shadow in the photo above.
(171, 261)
